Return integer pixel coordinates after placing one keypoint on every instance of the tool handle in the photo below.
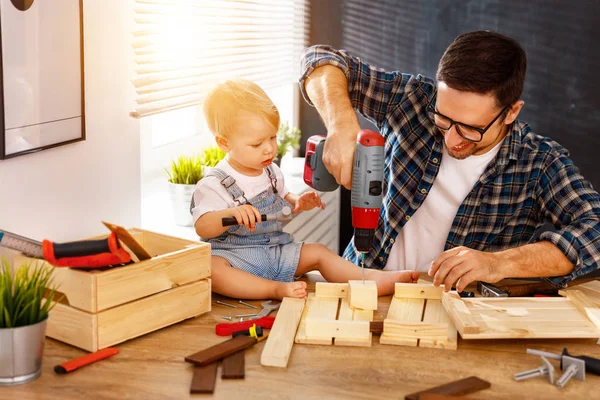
(592, 365)
(225, 329)
(79, 362)
(229, 221)
(81, 248)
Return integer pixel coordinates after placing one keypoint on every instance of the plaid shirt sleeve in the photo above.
(373, 91)
(571, 204)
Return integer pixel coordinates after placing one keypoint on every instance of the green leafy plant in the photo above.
(188, 170)
(212, 155)
(22, 294)
(288, 137)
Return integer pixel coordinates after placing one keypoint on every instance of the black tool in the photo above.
(284, 215)
(591, 364)
(254, 331)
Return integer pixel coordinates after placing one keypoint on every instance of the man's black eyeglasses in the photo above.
(467, 132)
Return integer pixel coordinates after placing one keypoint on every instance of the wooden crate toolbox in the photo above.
(104, 307)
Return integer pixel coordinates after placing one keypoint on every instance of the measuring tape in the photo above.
(25, 245)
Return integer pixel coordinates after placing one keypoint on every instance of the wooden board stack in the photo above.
(574, 316)
(416, 317)
(332, 316)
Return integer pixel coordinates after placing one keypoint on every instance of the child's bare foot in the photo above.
(386, 280)
(290, 289)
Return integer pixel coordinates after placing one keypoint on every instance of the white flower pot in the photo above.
(181, 198)
(21, 353)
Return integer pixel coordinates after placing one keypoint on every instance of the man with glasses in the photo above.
(467, 186)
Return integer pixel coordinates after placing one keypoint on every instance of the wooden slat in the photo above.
(415, 330)
(418, 291)
(204, 378)
(326, 289)
(334, 328)
(435, 313)
(78, 328)
(234, 366)
(460, 314)
(348, 314)
(151, 313)
(281, 338)
(585, 305)
(317, 307)
(406, 310)
(163, 272)
(221, 350)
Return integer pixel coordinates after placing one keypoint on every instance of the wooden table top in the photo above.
(153, 367)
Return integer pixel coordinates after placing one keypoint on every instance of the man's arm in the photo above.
(337, 84)
(460, 266)
(567, 252)
(327, 87)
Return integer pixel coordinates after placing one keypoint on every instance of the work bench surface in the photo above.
(153, 367)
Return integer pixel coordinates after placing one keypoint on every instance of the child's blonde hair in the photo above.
(226, 99)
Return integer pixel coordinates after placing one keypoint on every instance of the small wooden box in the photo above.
(104, 307)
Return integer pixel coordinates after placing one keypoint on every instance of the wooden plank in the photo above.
(316, 307)
(334, 328)
(585, 305)
(276, 352)
(460, 314)
(418, 291)
(326, 289)
(222, 350)
(73, 326)
(234, 366)
(415, 330)
(362, 295)
(435, 313)
(347, 313)
(406, 310)
(524, 317)
(204, 378)
(151, 313)
(121, 285)
(158, 244)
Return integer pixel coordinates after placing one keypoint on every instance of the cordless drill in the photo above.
(367, 179)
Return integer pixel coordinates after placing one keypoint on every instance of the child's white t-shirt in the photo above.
(210, 195)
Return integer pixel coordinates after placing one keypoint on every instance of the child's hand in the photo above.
(308, 201)
(246, 215)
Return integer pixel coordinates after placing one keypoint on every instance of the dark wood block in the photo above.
(376, 327)
(233, 366)
(461, 387)
(221, 350)
(204, 378)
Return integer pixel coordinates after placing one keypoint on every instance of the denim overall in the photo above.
(267, 252)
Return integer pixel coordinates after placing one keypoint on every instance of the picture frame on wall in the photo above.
(42, 102)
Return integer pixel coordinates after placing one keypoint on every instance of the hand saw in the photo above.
(79, 254)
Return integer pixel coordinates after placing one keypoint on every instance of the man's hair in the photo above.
(485, 62)
(224, 101)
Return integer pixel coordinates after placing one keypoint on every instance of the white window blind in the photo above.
(183, 47)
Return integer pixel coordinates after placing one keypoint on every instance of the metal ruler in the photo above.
(25, 245)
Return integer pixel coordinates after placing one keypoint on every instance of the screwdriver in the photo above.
(591, 364)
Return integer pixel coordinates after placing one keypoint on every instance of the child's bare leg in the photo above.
(315, 256)
(233, 282)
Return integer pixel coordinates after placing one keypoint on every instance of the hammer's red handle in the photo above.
(226, 329)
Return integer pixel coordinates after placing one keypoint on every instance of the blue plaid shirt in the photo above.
(531, 181)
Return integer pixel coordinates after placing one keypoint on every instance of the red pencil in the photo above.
(79, 362)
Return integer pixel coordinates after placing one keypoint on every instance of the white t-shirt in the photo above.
(210, 195)
(424, 236)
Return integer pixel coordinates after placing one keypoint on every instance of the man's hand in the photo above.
(307, 201)
(461, 266)
(246, 215)
(338, 157)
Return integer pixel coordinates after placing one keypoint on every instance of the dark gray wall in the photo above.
(562, 87)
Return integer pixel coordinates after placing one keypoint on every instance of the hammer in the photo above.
(284, 215)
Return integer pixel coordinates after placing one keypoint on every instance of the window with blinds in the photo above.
(183, 47)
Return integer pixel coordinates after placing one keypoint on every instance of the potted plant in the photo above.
(185, 172)
(288, 138)
(26, 298)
